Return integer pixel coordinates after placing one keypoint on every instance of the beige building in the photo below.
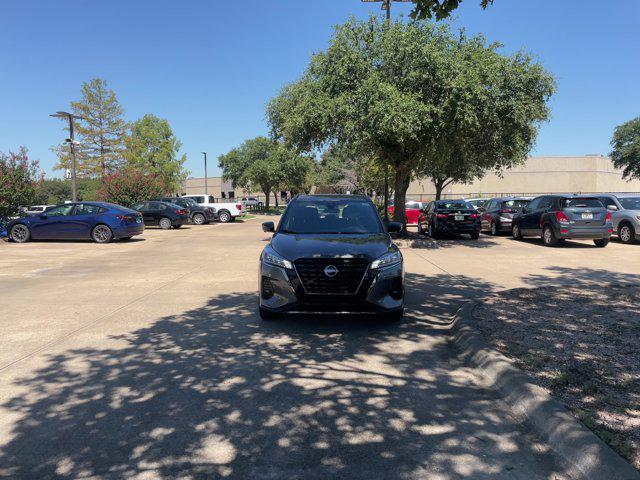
(587, 174)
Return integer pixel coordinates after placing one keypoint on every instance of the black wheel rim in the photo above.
(102, 234)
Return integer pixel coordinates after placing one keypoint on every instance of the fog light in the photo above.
(395, 290)
(267, 288)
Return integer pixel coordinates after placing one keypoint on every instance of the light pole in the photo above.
(386, 5)
(206, 189)
(72, 147)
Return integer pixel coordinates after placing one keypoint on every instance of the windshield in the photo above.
(325, 215)
(515, 204)
(453, 205)
(583, 203)
(630, 203)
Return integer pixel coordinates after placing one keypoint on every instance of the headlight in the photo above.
(387, 260)
(272, 258)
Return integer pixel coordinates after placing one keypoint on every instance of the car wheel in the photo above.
(548, 237)
(268, 314)
(20, 233)
(165, 223)
(515, 232)
(224, 216)
(601, 243)
(420, 229)
(101, 234)
(494, 229)
(626, 233)
(430, 231)
(199, 219)
(475, 235)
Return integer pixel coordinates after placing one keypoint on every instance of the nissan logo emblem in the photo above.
(330, 271)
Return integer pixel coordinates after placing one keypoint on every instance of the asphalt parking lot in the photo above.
(147, 359)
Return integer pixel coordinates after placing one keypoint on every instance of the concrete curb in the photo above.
(587, 457)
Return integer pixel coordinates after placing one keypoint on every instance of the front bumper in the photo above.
(381, 290)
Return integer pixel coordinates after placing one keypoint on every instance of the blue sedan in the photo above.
(98, 221)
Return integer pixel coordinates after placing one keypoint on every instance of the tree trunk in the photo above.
(275, 195)
(440, 184)
(267, 194)
(400, 187)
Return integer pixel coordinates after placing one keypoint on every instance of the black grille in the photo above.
(345, 282)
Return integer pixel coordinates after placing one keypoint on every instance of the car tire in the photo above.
(549, 237)
(494, 229)
(165, 223)
(224, 216)
(101, 234)
(626, 233)
(430, 233)
(516, 232)
(601, 243)
(199, 219)
(20, 233)
(177, 226)
(268, 314)
(420, 229)
(475, 235)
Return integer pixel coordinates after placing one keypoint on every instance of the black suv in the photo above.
(556, 218)
(499, 212)
(449, 217)
(331, 253)
(199, 215)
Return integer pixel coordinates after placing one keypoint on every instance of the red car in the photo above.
(412, 210)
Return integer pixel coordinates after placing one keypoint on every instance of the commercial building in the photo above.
(586, 174)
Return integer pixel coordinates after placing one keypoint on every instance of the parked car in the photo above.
(162, 214)
(449, 217)
(556, 218)
(479, 204)
(99, 221)
(625, 215)
(411, 208)
(498, 213)
(198, 214)
(227, 211)
(331, 253)
(252, 202)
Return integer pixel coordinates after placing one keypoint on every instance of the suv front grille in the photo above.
(345, 282)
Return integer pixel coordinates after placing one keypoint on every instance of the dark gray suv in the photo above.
(556, 218)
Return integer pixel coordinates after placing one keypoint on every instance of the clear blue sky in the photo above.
(210, 66)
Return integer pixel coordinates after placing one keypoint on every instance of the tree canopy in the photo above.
(626, 148)
(439, 8)
(266, 165)
(19, 181)
(152, 147)
(415, 94)
(100, 132)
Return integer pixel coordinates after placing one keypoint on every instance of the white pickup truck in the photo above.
(227, 212)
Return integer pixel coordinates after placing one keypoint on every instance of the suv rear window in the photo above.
(582, 203)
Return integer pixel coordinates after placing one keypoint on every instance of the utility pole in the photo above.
(206, 189)
(386, 5)
(72, 147)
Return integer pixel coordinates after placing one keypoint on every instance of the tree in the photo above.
(626, 148)
(58, 190)
(393, 93)
(267, 165)
(438, 8)
(100, 131)
(131, 186)
(152, 147)
(19, 181)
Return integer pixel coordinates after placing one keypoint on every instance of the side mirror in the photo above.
(394, 227)
(268, 227)
(612, 208)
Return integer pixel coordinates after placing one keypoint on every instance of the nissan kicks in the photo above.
(331, 254)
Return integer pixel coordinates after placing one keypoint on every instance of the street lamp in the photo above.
(72, 146)
(206, 190)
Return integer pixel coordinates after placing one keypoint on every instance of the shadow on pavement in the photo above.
(216, 393)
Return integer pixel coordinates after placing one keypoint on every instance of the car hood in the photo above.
(368, 246)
